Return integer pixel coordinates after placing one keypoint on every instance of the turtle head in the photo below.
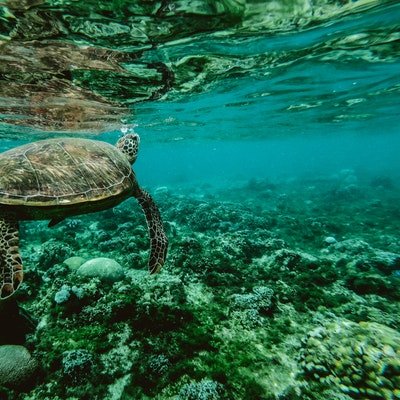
(129, 145)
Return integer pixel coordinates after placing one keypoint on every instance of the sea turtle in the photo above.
(57, 178)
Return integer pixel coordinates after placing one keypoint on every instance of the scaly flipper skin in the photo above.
(158, 239)
(10, 262)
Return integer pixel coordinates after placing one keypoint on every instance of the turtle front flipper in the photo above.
(158, 239)
(10, 262)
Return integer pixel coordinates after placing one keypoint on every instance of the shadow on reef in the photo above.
(16, 323)
(268, 293)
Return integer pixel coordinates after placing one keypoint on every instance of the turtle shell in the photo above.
(59, 172)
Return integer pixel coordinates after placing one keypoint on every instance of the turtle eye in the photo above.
(129, 145)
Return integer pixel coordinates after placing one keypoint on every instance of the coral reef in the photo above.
(256, 301)
(203, 390)
(77, 364)
(16, 366)
(361, 360)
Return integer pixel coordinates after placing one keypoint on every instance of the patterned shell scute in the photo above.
(63, 171)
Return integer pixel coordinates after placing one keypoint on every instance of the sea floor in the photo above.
(271, 290)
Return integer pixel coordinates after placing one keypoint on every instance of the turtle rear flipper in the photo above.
(158, 239)
(10, 262)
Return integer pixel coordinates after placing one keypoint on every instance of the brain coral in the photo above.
(357, 360)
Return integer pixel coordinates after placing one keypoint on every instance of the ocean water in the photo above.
(270, 142)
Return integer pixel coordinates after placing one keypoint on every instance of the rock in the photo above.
(74, 263)
(352, 247)
(386, 261)
(16, 366)
(330, 240)
(103, 268)
(161, 190)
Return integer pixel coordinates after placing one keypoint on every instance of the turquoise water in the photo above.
(270, 141)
